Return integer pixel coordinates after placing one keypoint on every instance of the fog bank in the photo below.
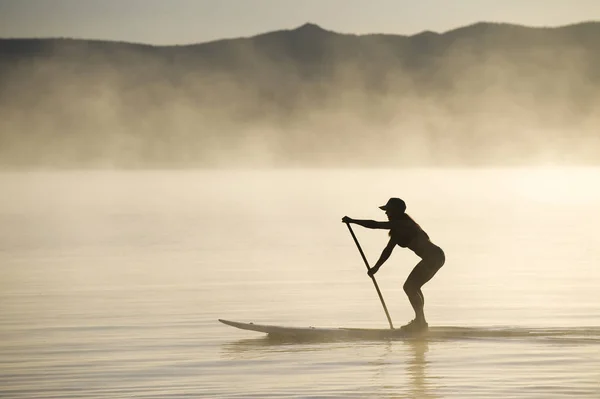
(485, 94)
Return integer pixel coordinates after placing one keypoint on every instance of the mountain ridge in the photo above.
(313, 26)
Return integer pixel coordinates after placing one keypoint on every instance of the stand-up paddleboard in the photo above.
(321, 333)
(580, 335)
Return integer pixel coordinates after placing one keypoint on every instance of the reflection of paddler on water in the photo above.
(417, 370)
(406, 233)
(418, 381)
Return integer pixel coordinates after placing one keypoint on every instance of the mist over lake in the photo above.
(486, 94)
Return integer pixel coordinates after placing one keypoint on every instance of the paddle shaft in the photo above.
(362, 254)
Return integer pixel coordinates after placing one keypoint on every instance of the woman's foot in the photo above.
(415, 326)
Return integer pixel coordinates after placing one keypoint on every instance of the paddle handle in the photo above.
(362, 254)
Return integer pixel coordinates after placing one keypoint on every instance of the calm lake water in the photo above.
(111, 284)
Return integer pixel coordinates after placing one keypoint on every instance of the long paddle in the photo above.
(372, 277)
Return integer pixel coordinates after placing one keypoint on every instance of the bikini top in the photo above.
(408, 234)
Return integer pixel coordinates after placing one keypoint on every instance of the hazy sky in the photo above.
(192, 21)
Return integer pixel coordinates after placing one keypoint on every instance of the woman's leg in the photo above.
(421, 274)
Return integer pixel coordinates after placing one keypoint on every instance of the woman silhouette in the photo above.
(405, 232)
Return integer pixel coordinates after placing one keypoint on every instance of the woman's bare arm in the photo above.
(369, 224)
(385, 254)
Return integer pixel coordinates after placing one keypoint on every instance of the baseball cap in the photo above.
(395, 204)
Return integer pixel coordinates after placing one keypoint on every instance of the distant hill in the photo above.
(488, 93)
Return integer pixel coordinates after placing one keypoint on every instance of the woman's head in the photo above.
(394, 208)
